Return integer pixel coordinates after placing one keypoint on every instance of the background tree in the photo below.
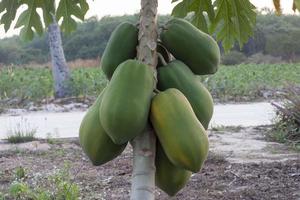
(229, 20)
(31, 23)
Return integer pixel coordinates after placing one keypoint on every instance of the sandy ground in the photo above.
(241, 165)
(63, 123)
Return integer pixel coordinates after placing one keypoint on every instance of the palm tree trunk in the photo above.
(60, 70)
(143, 176)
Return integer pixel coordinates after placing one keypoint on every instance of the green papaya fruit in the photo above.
(126, 102)
(121, 46)
(169, 177)
(196, 49)
(177, 75)
(180, 133)
(96, 144)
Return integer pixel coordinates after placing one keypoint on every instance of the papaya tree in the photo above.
(229, 21)
(30, 23)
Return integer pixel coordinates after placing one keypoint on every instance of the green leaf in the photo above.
(182, 9)
(199, 19)
(68, 8)
(84, 6)
(29, 20)
(234, 20)
(10, 7)
(200, 22)
(200, 8)
(48, 10)
(296, 5)
(230, 20)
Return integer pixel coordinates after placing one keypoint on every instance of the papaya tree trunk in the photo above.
(143, 176)
(60, 70)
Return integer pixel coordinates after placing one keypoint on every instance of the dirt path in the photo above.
(248, 145)
(241, 165)
(66, 124)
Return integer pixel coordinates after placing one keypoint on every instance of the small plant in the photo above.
(49, 138)
(64, 187)
(287, 126)
(56, 187)
(19, 190)
(23, 132)
(1, 196)
(20, 173)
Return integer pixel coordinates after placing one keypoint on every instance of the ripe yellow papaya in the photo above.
(126, 103)
(169, 177)
(96, 144)
(196, 49)
(180, 133)
(177, 75)
(120, 47)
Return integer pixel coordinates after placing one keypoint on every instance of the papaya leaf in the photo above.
(296, 5)
(68, 9)
(198, 7)
(230, 20)
(202, 9)
(200, 22)
(10, 7)
(48, 10)
(234, 21)
(29, 20)
(84, 6)
(181, 9)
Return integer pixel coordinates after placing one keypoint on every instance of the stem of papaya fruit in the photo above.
(162, 59)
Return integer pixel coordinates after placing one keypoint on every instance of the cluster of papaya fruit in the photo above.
(179, 113)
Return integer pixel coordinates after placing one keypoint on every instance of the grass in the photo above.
(57, 186)
(231, 83)
(226, 128)
(22, 132)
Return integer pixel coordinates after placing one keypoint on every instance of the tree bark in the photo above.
(143, 176)
(60, 70)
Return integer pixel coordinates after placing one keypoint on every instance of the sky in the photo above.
(101, 8)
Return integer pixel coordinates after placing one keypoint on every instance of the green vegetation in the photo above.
(241, 82)
(35, 84)
(273, 36)
(56, 186)
(222, 128)
(21, 133)
(287, 122)
(250, 82)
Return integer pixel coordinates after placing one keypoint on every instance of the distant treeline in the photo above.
(278, 37)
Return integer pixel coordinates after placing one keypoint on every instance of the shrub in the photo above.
(287, 126)
(260, 58)
(233, 58)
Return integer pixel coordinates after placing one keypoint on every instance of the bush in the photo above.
(233, 58)
(260, 58)
(287, 126)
